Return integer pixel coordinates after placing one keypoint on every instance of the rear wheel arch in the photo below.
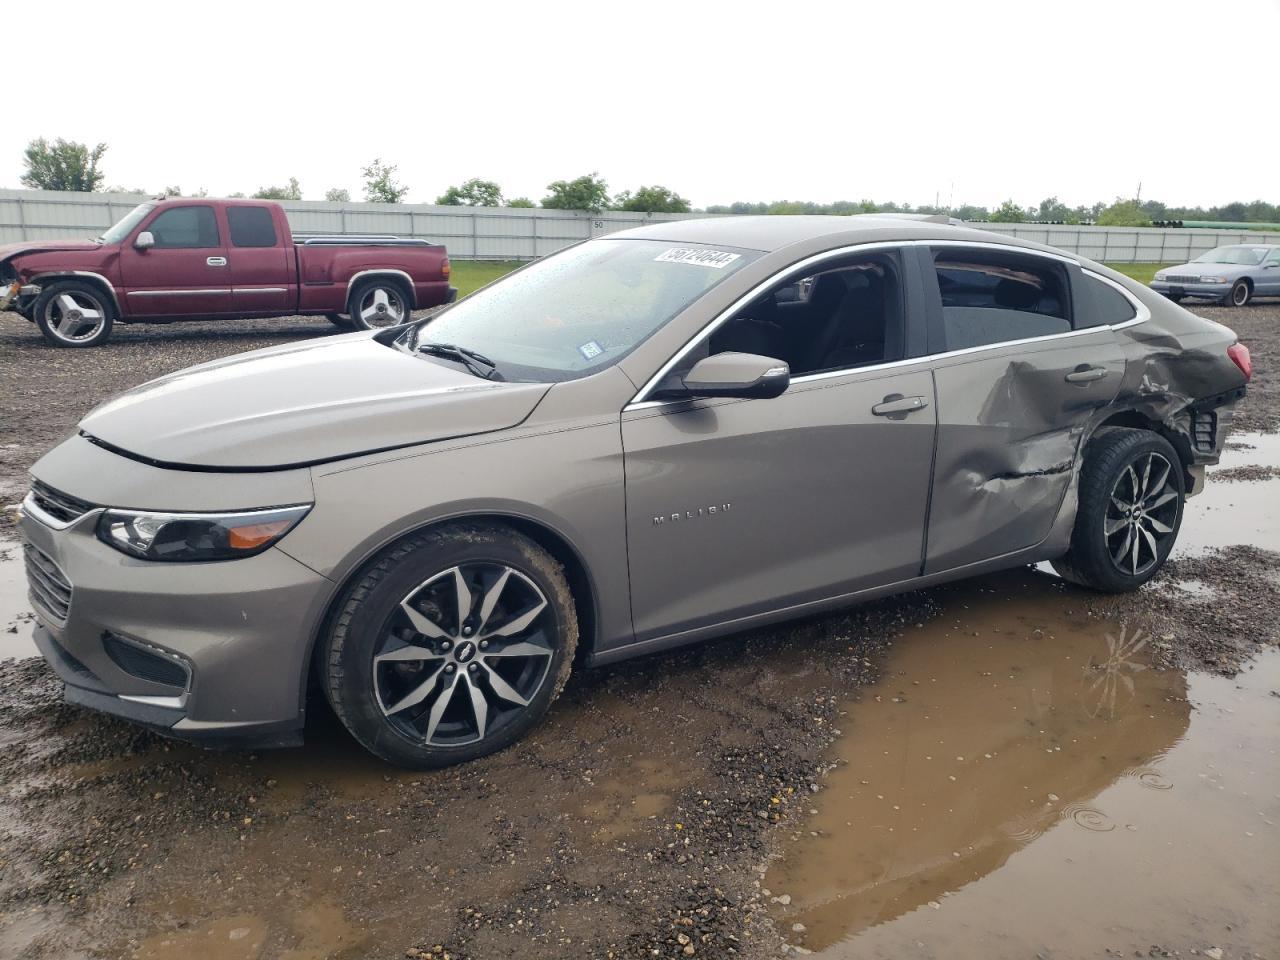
(581, 584)
(1137, 420)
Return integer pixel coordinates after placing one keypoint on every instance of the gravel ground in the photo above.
(634, 823)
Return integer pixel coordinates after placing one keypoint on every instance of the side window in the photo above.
(251, 227)
(845, 317)
(1274, 255)
(992, 297)
(1109, 305)
(185, 227)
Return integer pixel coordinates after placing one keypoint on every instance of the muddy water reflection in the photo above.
(1021, 752)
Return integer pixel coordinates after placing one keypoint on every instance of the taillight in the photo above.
(445, 268)
(1239, 355)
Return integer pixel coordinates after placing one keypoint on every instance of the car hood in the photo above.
(303, 404)
(1204, 269)
(8, 250)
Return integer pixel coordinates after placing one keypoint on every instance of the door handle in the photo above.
(897, 406)
(216, 261)
(1085, 374)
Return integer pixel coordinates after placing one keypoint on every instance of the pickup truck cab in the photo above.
(202, 259)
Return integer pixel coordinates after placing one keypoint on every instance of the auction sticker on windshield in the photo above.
(716, 259)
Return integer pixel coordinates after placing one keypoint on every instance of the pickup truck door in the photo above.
(262, 261)
(184, 273)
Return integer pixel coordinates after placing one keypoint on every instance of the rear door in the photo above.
(259, 260)
(1022, 363)
(185, 272)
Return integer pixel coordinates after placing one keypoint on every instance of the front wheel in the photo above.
(1130, 509)
(452, 645)
(1240, 294)
(72, 313)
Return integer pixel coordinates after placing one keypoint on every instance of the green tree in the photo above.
(1051, 208)
(653, 199)
(63, 165)
(338, 195)
(472, 193)
(1008, 212)
(587, 192)
(1123, 213)
(521, 202)
(291, 192)
(380, 185)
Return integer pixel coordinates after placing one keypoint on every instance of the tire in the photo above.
(1116, 462)
(73, 313)
(457, 702)
(1175, 297)
(1240, 294)
(340, 320)
(369, 295)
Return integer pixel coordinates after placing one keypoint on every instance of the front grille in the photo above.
(48, 585)
(61, 506)
(1180, 279)
(144, 664)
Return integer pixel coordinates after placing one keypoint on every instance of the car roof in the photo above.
(769, 233)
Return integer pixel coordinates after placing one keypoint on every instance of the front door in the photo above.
(1268, 283)
(185, 272)
(1017, 381)
(740, 507)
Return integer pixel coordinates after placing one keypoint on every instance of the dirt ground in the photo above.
(642, 818)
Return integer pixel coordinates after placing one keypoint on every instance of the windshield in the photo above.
(1242, 255)
(130, 220)
(582, 309)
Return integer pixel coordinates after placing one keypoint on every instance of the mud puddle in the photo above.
(1022, 784)
(15, 608)
(1240, 502)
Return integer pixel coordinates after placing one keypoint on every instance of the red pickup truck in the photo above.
(199, 259)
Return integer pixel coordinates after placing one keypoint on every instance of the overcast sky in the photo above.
(973, 102)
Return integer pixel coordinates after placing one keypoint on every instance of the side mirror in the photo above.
(145, 240)
(745, 375)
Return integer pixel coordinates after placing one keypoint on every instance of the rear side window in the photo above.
(989, 297)
(1109, 305)
(185, 227)
(251, 227)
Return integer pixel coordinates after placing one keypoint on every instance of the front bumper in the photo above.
(232, 640)
(1208, 291)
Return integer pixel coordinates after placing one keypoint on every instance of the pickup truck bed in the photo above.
(212, 259)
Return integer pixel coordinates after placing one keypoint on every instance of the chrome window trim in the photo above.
(637, 403)
(1141, 312)
(176, 293)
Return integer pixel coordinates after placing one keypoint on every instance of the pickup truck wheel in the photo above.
(378, 303)
(340, 320)
(73, 313)
(452, 645)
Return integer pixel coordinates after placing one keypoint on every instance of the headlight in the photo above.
(1213, 279)
(1162, 276)
(195, 537)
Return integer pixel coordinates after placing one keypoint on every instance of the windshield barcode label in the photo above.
(716, 259)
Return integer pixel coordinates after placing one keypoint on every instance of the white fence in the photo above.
(514, 233)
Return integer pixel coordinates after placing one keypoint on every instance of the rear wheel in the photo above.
(1130, 509)
(378, 303)
(1240, 294)
(73, 313)
(340, 320)
(452, 646)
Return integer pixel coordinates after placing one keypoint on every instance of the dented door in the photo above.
(1010, 418)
